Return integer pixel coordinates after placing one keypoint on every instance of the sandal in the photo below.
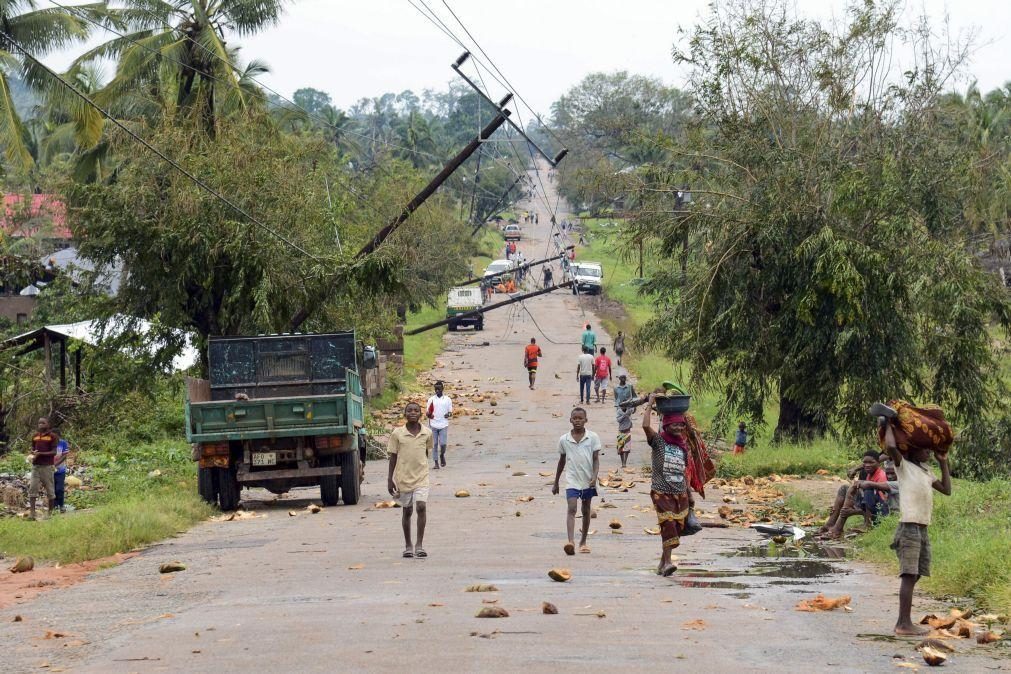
(584, 549)
(570, 548)
(420, 552)
(408, 554)
(669, 570)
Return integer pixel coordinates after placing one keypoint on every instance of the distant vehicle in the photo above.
(279, 411)
(587, 277)
(512, 233)
(461, 301)
(496, 270)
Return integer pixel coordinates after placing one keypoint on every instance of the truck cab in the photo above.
(279, 411)
(461, 301)
(587, 277)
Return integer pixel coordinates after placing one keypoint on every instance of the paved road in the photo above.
(330, 591)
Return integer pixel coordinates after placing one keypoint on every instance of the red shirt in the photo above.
(44, 442)
(603, 367)
(532, 351)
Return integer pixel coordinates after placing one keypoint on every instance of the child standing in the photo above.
(741, 441)
(579, 457)
(917, 485)
(409, 448)
(43, 457)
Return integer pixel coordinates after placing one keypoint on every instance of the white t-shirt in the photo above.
(440, 406)
(586, 365)
(579, 458)
(916, 486)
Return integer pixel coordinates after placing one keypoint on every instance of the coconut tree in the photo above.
(174, 55)
(38, 31)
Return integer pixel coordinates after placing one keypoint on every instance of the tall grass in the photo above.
(788, 459)
(970, 544)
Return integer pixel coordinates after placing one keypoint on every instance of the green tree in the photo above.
(313, 101)
(822, 264)
(174, 58)
(38, 31)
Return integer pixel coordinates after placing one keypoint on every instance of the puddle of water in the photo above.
(800, 550)
(790, 582)
(714, 585)
(787, 569)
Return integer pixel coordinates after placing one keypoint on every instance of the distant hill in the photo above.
(25, 99)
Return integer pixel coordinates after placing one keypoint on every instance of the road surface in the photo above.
(330, 591)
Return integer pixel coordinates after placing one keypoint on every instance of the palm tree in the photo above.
(176, 56)
(37, 31)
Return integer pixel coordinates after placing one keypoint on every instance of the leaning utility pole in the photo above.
(491, 307)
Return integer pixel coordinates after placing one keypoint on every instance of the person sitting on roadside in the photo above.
(853, 499)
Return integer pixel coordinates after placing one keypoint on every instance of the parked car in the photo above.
(512, 233)
(496, 270)
(587, 277)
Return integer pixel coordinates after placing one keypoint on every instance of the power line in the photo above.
(197, 181)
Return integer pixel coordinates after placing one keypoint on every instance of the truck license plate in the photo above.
(264, 458)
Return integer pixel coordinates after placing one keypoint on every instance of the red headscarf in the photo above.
(673, 418)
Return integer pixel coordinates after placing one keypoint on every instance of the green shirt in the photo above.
(590, 339)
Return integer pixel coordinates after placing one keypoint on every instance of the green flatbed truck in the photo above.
(279, 411)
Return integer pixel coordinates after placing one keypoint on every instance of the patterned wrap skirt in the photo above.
(671, 511)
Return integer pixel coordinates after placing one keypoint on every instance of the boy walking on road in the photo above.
(923, 434)
(440, 409)
(531, 352)
(43, 475)
(584, 374)
(409, 447)
(601, 375)
(579, 457)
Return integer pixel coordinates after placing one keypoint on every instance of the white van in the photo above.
(462, 301)
(587, 277)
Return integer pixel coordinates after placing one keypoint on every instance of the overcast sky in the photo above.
(353, 49)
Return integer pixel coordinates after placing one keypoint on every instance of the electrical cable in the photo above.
(197, 181)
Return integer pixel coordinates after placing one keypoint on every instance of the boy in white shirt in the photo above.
(438, 410)
(579, 457)
(917, 484)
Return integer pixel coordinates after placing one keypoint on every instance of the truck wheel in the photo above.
(480, 325)
(451, 327)
(207, 485)
(228, 488)
(328, 484)
(351, 486)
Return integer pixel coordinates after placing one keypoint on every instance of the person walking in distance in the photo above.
(43, 457)
(601, 375)
(584, 375)
(623, 392)
(439, 410)
(589, 339)
(548, 277)
(579, 457)
(409, 447)
(531, 352)
(619, 346)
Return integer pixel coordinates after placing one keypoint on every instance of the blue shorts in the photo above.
(585, 494)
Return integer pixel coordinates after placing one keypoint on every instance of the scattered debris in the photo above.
(292, 513)
(696, 624)
(493, 612)
(519, 473)
(547, 608)
(238, 515)
(933, 657)
(171, 567)
(313, 508)
(615, 523)
(525, 499)
(481, 587)
(462, 493)
(936, 644)
(560, 575)
(17, 619)
(356, 567)
(988, 637)
(823, 603)
(385, 504)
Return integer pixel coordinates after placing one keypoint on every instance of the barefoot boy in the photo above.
(917, 485)
(409, 448)
(579, 457)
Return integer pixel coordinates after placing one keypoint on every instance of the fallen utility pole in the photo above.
(300, 317)
(478, 279)
(437, 181)
(484, 310)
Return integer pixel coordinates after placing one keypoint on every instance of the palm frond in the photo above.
(46, 29)
(12, 131)
(250, 16)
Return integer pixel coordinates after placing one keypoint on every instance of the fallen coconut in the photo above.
(171, 567)
(932, 656)
(560, 575)
(547, 608)
(493, 612)
(462, 493)
(615, 524)
(23, 564)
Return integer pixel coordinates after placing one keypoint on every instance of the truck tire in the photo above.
(351, 486)
(228, 489)
(451, 327)
(328, 484)
(207, 484)
(479, 326)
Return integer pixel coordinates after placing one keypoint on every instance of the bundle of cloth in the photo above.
(918, 427)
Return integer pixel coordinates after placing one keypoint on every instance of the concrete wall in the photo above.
(12, 305)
